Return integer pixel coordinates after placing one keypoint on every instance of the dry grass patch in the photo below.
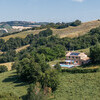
(9, 65)
(22, 48)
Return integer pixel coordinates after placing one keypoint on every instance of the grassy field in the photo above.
(9, 83)
(78, 87)
(72, 86)
(66, 32)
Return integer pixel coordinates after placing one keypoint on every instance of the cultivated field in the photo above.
(66, 32)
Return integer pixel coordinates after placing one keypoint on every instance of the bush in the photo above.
(58, 67)
(81, 70)
(3, 68)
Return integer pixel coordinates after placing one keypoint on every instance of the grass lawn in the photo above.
(9, 83)
(78, 87)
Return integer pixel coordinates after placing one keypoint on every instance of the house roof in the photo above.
(82, 55)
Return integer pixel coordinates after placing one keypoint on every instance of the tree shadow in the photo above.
(15, 79)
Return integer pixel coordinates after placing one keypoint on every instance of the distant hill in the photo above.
(78, 30)
(23, 23)
(8, 27)
(65, 32)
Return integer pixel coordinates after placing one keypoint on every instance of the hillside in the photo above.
(79, 86)
(21, 34)
(66, 32)
(10, 83)
(76, 31)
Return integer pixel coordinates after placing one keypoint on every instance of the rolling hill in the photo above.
(66, 32)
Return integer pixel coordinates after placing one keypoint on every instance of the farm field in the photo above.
(66, 32)
(78, 87)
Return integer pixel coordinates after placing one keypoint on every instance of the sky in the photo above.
(49, 10)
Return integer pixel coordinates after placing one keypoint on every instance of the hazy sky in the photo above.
(49, 10)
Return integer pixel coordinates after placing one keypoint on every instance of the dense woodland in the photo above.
(45, 43)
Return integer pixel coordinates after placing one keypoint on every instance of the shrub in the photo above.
(3, 68)
(58, 67)
(81, 70)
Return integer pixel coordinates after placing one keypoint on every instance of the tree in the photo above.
(35, 92)
(76, 23)
(3, 68)
(95, 54)
(58, 67)
(29, 70)
(50, 79)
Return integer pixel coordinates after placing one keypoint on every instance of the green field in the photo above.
(9, 83)
(78, 87)
(72, 86)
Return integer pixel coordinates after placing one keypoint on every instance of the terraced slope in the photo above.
(66, 32)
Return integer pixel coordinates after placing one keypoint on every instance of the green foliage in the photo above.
(35, 93)
(81, 70)
(76, 23)
(37, 70)
(46, 33)
(3, 69)
(8, 56)
(95, 54)
(29, 70)
(58, 67)
(50, 79)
